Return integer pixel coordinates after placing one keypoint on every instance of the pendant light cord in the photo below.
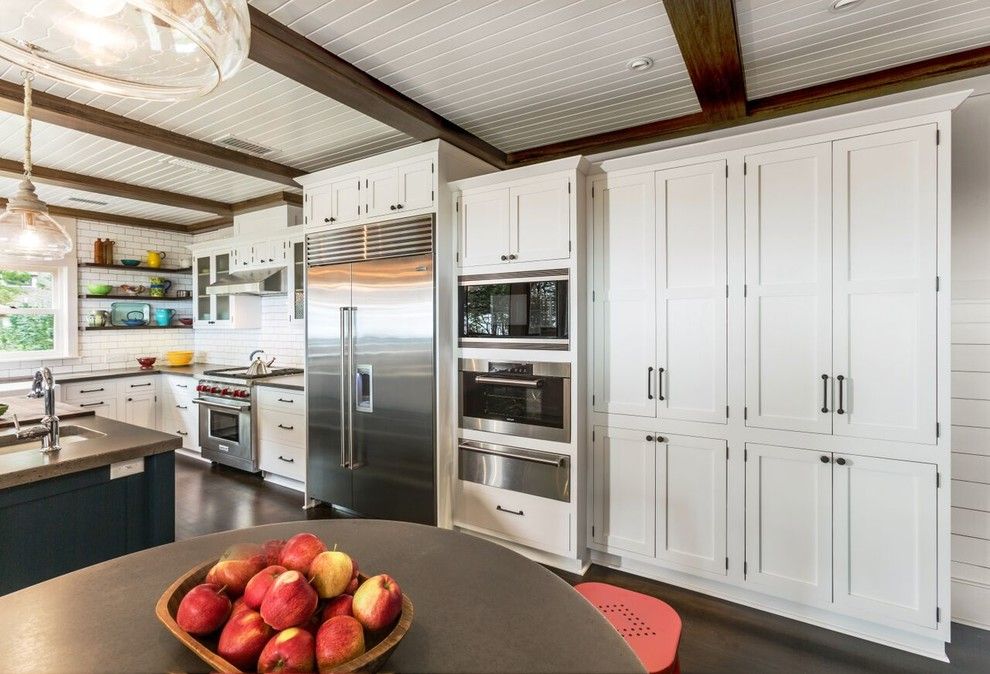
(28, 76)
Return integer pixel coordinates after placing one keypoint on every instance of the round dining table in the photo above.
(479, 607)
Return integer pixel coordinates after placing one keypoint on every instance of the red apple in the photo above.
(258, 586)
(340, 605)
(299, 551)
(273, 550)
(352, 586)
(339, 640)
(243, 638)
(237, 565)
(203, 610)
(330, 573)
(314, 622)
(289, 602)
(291, 650)
(378, 602)
(238, 606)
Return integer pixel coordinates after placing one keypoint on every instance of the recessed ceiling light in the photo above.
(640, 63)
(839, 5)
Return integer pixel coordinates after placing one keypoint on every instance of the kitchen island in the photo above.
(109, 491)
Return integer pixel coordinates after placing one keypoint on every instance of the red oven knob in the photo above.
(225, 392)
(240, 394)
(214, 389)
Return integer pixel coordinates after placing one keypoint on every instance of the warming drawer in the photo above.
(528, 471)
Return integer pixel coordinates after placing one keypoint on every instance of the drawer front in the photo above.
(537, 522)
(89, 391)
(282, 460)
(282, 399)
(179, 386)
(129, 385)
(184, 424)
(282, 429)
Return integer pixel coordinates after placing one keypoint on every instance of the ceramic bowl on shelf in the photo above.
(132, 290)
(178, 358)
(99, 289)
(146, 362)
(185, 321)
(130, 262)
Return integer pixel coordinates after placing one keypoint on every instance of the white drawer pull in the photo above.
(511, 512)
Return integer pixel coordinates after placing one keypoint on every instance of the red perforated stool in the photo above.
(650, 626)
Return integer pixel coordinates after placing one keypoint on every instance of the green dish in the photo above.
(99, 289)
(131, 263)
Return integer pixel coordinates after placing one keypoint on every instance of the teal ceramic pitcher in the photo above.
(163, 317)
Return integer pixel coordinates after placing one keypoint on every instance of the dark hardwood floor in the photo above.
(717, 636)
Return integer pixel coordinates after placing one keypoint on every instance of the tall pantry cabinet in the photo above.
(768, 360)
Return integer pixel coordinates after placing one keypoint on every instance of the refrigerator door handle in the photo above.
(350, 391)
(344, 430)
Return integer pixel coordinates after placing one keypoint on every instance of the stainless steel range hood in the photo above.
(250, 282)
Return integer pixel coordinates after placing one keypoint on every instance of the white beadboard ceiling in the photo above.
(791, 44)
(54, 195)
(516, 74)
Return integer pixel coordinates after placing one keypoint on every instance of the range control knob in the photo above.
(214, 389)
(225, 392)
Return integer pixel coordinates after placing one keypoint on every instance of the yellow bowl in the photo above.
(176, 358)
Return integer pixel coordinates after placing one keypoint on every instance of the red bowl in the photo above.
(147, 362)
(186, 321)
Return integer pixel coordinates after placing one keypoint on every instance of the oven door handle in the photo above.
(558, 463)
(500, 381)
(238, 408)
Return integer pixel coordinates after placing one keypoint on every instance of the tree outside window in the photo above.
(27, 311)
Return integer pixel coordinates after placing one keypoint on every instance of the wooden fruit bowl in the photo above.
(380, 645)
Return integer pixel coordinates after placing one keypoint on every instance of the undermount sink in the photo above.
(9, 443)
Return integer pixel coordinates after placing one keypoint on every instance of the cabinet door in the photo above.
(345, 200)
(625, 296)
(540, 220)
(140, 409)
(691, 517)
(320, 204)
(885, 539)
(624, 469)
(201, 280)
(222, 266)
(381, 192)
(106, 407)
(416, 188)
(884, 274)
(484, 228)
(789, 523)
(297, 279)
(789, 289)
(691, 278)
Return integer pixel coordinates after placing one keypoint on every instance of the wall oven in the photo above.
(530, 400)
(516, 309)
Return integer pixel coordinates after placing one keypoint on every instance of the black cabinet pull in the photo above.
(287, 428)
(825, 459)
(91, 404)
(283, 400)
(839, 410)
(282, 458)
(824, 394)
(660, 384)
(504, 258)
(183, 407)
(649, 383)
(182, 386)
(841, 461)
(398, 205)
(649, 438)
(130, 400)
(140, 385)
(181, 433)
(392, 207)
(513, 256)
(511, 512)
(91, 390)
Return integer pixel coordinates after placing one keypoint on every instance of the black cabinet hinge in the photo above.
(726, 411)
(745, 168)
(745, 455)
(938, 136)
(592, 432)
(592, 191)
(457, 205)
(936, 284)
(938, 480)
(938, 429)
(726, 563)
(938, 614)
(433, 195)
(727, 175)
(568, 186)
(745, 569)
(592, 402)
(726, 452)
(592, 530)
(745, 413)
(745, 290)
(432, 167)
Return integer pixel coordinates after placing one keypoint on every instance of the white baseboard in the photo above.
(578, 566)
(971, 604)
(285, 482)
(192, 454)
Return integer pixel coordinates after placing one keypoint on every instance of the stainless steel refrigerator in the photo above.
(370, 370)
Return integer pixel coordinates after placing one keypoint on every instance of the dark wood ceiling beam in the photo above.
(881, 83)
(69, 114)
(281, 49)
(77, 181)
(209, 225)
(267, 201)
(706, 35)
(112, 218)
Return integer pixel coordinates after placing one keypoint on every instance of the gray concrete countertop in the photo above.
(31, 410)
(479, 607)
(120, 443)
(292, 382)
(192, 370)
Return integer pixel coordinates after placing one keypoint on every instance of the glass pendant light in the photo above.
(27, 231)
(165, 50)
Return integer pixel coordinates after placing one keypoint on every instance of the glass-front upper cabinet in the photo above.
(297, 276)
(215, 310)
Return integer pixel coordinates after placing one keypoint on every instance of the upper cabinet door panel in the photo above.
(416, 188)
(484, 228)
(691, 281)
(381, 192)
(788, 289)
(625, 295)
(884, 268)
(345, 197)
(885, 539)
(540, 221)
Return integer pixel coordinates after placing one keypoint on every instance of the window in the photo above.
(37, 309)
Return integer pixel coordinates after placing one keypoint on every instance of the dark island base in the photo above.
(61, 524)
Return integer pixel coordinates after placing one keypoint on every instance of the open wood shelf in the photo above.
(135, 297)
(139, 327)
(162, 270)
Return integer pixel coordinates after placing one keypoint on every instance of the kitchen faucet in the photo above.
(43, 386)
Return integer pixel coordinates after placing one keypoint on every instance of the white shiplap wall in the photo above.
(971, 362)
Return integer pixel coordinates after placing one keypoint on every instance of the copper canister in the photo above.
(99, 254)
(108, 252)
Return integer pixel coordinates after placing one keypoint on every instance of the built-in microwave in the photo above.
(516, 310)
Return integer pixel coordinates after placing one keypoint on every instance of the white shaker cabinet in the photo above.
(381, 192)
(789, 523)
(539, 220)
(884, 269)
(141, 409)
(691, 500)
(625, 490)
(885, 539)
(789, 289)
(484, 235)
(416, 187)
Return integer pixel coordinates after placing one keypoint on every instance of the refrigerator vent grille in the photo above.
(370, 242)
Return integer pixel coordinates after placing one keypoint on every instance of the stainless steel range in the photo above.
(226, 415)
